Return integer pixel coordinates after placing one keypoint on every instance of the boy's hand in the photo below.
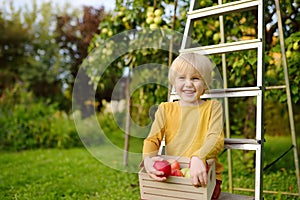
(152, 172)
(198, 172)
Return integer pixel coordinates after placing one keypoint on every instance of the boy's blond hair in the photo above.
(192, 62)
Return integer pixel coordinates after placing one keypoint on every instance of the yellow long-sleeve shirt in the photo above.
(188, 131)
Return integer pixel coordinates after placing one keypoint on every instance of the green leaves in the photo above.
(27, 123)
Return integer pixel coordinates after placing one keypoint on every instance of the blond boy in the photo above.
(192, 127)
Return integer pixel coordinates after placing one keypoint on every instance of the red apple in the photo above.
(163, 166)
(174, 164)
(177, 172)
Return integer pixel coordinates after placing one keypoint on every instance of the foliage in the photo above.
(275, 74)
(49, 66)
(73, 35)
(50, 49)
(127, 16)
(28, 123)
(33, 56)
(241, 66)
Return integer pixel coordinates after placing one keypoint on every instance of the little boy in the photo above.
(192, 127)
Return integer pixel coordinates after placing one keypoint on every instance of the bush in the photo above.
(27, 123)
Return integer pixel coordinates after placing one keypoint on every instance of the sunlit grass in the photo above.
(62, 174)
(76, 174)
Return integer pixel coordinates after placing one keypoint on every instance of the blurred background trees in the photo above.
(42, 49)
(40, 54)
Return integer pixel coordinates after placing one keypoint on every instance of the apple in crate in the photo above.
(175, 167)
(174, 164)
(177, 172)
(163, 166)
(186, 172)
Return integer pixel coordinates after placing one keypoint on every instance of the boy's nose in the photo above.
(188, 82)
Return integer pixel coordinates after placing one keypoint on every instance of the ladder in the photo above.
(257, 44)
(257, 91)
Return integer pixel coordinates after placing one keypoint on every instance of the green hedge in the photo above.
(27, 122)
(36, 125)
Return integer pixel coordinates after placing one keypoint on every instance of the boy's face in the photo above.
(189, 86)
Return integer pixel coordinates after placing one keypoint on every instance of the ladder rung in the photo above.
(233, 92)
(276, 87)
(222, 9)
(225, 47)
(240, 141)
(241, 89)
(228, 92)
(242, 144)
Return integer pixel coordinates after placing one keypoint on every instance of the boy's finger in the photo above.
(205, 178)
(157, 158)
(158, 178)
(195, 181)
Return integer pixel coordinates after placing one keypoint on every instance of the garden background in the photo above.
(43, 47)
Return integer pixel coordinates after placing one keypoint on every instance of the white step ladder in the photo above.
(257, 44)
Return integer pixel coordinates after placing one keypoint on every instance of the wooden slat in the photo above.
(172, 186)
(160, 197)
(180, 194)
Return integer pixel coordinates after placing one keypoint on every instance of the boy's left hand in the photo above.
(198, 171)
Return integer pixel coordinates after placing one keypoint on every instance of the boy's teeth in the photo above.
(188, 92)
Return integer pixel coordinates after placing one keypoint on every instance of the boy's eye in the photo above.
(181, 77)
(196, 78)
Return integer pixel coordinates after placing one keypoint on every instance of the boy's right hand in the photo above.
(152, 172)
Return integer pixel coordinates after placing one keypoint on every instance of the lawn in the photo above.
(76, 174)
(62, 174)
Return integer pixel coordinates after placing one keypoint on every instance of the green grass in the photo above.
(76, 174)
(62, 174)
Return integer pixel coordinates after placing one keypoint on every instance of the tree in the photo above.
(134, 15)
(241, 66)
(29, 55)
(47, 55)
(74, 35)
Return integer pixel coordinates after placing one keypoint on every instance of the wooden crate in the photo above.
(176, 187)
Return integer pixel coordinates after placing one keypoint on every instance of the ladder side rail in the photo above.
(226, 104)
(259, 151)
(186, 40)
(288, 93)
(260, 36)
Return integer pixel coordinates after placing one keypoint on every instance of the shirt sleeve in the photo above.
(214, 141)
(156, 134)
